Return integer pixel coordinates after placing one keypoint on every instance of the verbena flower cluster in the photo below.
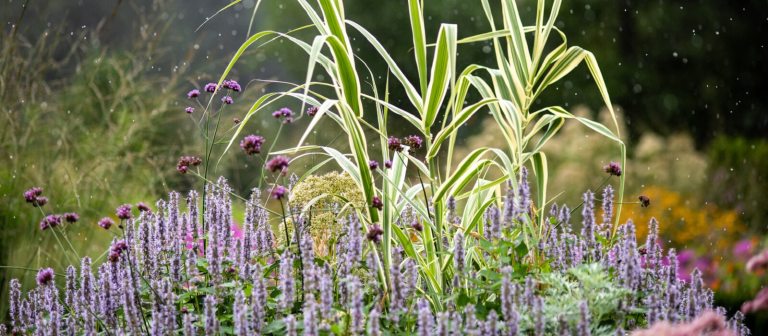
(189, 268)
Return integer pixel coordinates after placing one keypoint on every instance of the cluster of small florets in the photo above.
(396, 144)
(186, 161)
(285, 114)
(278, 164)
(312, 111)
(613, 169)
(211, 88)
(35, 196)
(251, 144)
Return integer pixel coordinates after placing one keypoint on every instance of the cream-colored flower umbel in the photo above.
(325, 221)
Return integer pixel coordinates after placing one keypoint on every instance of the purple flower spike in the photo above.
(373, 165)
(613, 168)
(227, 100)
(44, 276)
(123, 211)
(251, 144)
(193, 94)
(106, 223)
(278, 192)
(210, 87)
(189, 110)
(394, 144)
(278, 164)
(71, 217)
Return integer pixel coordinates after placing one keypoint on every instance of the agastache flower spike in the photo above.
(286, 282)
(209, 311)
(458, 252)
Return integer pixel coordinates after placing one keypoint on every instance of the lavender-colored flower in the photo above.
(290, 325)
(286, 282)
(388, 164)
(310, 315)
(50, 221)
(426, 321)
(278, 164)
(607, 205)
(583, 327)
(326, 293)
(227, 100)
(186, 161)
(279, 192)
(394, 144)
(458, 253)
(413, 141)
(209, 315)
(374, 327)
(240, 314)
(106, 223)
(491, 324)
(189, 109)
(374, 233)
(312, 111)
(123, 211)
(15, 304)
(45, 276)
(613, 169)
(210, 87)
(355, 305)
(193, 93)
(189, 325)
(251, 144)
